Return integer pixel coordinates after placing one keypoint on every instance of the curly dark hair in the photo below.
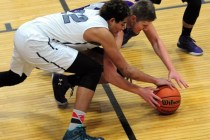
(117, 9)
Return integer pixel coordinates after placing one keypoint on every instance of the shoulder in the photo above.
(98, 31)
(97, 34)
(97, 21)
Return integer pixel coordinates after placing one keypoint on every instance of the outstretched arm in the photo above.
(111, 76)
(161, 51)
(108, 42)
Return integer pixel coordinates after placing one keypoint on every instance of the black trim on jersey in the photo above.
(66, 43)
(51, 45)
(49, 61)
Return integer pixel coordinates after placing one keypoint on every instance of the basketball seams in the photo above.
(171, 100)
(169, 106)
(169, 97)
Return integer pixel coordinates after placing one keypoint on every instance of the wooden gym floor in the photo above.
(28, 110)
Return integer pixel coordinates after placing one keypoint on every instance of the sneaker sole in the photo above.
(62, 105)
(192, 53)
(195, 54)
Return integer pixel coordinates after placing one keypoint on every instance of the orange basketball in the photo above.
(171, 100)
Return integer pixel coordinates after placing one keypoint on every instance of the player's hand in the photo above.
(147, 93)
(162, 82)
(174, 75)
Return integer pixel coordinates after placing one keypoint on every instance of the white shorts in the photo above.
(32, 49)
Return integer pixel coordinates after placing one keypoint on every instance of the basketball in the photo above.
(171, 100)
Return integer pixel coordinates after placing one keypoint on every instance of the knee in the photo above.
(192, 11)
(90, 80)
(195, 4)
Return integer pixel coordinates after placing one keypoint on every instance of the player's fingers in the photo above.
(155, 103)
(156, 89)
(156, 98)
(172, 85)
(169, 78)
(152, 104)
(179, 83)
(184, 84)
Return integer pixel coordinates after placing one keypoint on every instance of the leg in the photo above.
(189, 18)
(61, 83)
(90, 73)
(17, 72)
(83, 99)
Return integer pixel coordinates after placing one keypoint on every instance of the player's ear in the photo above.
(132, 18)
(111, 20)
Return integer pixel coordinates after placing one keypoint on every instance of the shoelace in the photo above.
(190, 39)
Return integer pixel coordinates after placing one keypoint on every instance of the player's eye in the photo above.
(124, 25)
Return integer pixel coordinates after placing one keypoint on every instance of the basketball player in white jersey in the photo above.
(136, 22)
(44, 43)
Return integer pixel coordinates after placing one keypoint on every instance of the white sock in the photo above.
(77, 119)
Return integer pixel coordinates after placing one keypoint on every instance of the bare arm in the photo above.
(119, 39)
(104, 37)
(158, 46)
(110, 75)
(161, 51)
(108, 42)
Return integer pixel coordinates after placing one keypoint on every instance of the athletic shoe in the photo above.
(186, 43)
(153, 1)
(60, 86)
(79, 133)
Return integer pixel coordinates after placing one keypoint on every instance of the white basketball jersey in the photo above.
(68, 28)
